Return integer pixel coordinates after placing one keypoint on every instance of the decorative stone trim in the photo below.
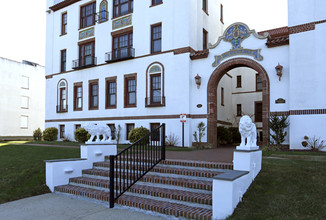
(301, 112)
(304, 27)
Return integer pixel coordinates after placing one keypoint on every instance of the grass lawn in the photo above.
(22, 170)
(292, 187)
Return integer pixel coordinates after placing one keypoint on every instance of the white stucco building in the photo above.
(22, 100)
(134, 63)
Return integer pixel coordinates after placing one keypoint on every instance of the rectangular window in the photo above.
(222, 96)
(25, 82)
(87, 54)
(156, 132)
(93, 95)
(239, 82)
(87, 15)
(258, 111)
(156, 2)
(156, 36)
(63, 60)
(129, 128)
(113, 129)
(122, 7)
(77, 126)
(62, 131)
(111, 93)
(25, 102)
(259, 83)
(155, 89)
(64, 23)
(78, 96)
(239, 110)
(63, 100)
(205, 6)
(205, 39)
(23, 121)
(130, 91)
(221, 14)
(122, 46)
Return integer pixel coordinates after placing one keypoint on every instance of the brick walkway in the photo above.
(221, 154)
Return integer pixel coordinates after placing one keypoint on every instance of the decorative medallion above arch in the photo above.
(235, 34)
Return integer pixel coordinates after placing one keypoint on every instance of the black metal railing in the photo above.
(156, 101)
(131, 164)
(62, 108)
(120, 54)
(102, 16)
(84, 62)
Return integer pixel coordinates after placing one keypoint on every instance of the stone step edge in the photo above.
(205, 176)
(193, 163)
(205, 185)
(102, 166)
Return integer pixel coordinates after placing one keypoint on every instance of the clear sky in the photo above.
(22, 23)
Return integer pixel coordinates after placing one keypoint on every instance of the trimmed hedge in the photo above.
(37, 134)
(81, 135)
(50, 134)
(137, 133)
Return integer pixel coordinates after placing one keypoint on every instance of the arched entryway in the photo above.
(212, 95)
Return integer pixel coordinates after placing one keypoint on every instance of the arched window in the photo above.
(62, 96)
(155, 85)
(103, 11)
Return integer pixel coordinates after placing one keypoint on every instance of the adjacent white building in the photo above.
(22, 99)
(143, 63)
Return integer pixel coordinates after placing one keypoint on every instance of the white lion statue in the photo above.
(247, 130)
(97, 130)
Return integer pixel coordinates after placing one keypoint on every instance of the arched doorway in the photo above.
(212, 95)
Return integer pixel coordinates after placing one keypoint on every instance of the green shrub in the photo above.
(137, 133)
(235, 135)
(37, 134)
(50, 134)
(223, 135)
(81, 135)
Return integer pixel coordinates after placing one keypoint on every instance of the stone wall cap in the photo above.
(230, 175)
(247, 151)
(63, 160)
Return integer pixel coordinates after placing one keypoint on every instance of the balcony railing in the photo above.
(62, 108)
(84, 62)
(156, 101)
(120, 54)
(102, 16)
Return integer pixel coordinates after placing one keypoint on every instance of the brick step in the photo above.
(201, 164)
(166, 180)
(174, 194)
(168, 169)
(186, 163)
(85, 192)
(167, 208)
(177, 181)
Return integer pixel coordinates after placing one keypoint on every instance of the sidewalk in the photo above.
(52, 206)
